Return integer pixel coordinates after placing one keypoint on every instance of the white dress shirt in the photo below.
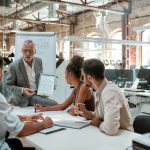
(112, 107)
(31, 75)
(8, 122)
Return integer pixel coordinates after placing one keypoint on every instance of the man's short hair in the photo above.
(28, 42)
(95, 68)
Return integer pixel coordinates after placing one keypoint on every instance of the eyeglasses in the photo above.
(31, 51)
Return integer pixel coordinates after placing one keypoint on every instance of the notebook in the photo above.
(72, 124)
(52, 130)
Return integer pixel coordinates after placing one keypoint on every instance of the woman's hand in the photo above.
(71, 111)
(39, 107)
(79, 109)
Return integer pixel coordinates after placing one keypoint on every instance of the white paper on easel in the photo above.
(46, 85)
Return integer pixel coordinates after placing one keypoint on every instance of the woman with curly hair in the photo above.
(80, 94)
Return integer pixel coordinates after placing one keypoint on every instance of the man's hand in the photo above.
(39, 107)
(34, 117)
(47, 122)
(28, 92)
(79, 109)
(96, 122)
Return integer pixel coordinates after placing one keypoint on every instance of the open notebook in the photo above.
(72, 124)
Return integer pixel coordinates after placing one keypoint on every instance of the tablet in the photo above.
(46, 85)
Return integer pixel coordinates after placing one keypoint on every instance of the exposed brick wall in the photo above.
(85, 24)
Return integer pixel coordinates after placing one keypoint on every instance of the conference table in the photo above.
(87, 138)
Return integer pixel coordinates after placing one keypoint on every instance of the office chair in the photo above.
(141, 124)
(29, 148)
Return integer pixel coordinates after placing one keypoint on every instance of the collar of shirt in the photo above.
(26, 65)
(102, 86)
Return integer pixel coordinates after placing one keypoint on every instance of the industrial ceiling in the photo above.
(49, 11)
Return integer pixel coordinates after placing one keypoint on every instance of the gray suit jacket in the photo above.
(17, 79)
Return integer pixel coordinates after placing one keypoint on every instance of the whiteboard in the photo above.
(45, 43)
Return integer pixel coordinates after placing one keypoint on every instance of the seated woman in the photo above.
(80, 94)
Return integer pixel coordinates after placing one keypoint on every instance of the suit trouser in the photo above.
(42, 101)
(14, 144)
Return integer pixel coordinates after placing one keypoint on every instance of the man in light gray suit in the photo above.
(23, 78)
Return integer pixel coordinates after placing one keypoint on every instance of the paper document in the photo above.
(46, 85)
(62, 115)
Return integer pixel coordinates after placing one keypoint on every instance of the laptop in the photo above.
(72, 124)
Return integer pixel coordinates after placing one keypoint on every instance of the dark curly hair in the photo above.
(75, 65)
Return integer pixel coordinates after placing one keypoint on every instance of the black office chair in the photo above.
(141, 124)
(29, 148)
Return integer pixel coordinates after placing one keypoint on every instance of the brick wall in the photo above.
(85, 24)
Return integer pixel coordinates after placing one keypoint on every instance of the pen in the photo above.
(12, 107)
(35, 108)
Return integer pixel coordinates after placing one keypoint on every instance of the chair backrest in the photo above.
(141, 124)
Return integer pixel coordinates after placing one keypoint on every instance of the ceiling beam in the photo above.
(103, 7)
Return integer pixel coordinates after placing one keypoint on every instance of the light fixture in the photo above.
(101, 22)
(52, 14)
(104, 40)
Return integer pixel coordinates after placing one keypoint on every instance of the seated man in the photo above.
(23, 78)
(11, 124)
(111, 109)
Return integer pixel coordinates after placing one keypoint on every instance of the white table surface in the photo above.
(88, 138)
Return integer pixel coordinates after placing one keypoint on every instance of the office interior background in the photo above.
(115, 31)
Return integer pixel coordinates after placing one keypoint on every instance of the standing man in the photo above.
(111, 109)
(23, 78)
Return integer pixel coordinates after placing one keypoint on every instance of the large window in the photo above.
(93, 49)
(146, 49)
(117, 48)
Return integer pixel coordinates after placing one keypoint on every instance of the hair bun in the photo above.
(77, 61)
